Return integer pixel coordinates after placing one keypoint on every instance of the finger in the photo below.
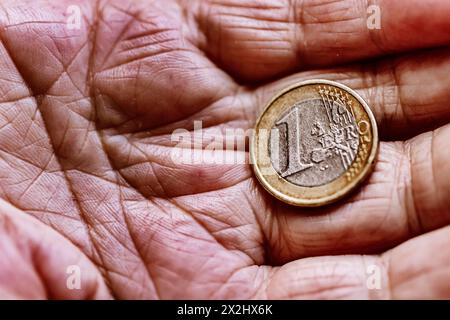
(36, 262)
(417, 269)
(405, 196)
(408, 95)
(420, 267)
(332, 277)
(256, 40)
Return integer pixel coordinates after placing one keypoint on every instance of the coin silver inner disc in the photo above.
(314, 142)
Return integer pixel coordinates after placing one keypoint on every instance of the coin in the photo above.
(314, 143)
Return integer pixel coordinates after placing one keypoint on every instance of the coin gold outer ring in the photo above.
(320, 195)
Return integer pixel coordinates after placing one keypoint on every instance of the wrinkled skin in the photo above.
(87, 177)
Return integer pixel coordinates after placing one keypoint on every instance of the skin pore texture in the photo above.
(87, 178)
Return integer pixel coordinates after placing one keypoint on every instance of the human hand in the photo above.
(86, 162)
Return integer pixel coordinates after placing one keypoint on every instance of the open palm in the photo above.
(88, 178)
